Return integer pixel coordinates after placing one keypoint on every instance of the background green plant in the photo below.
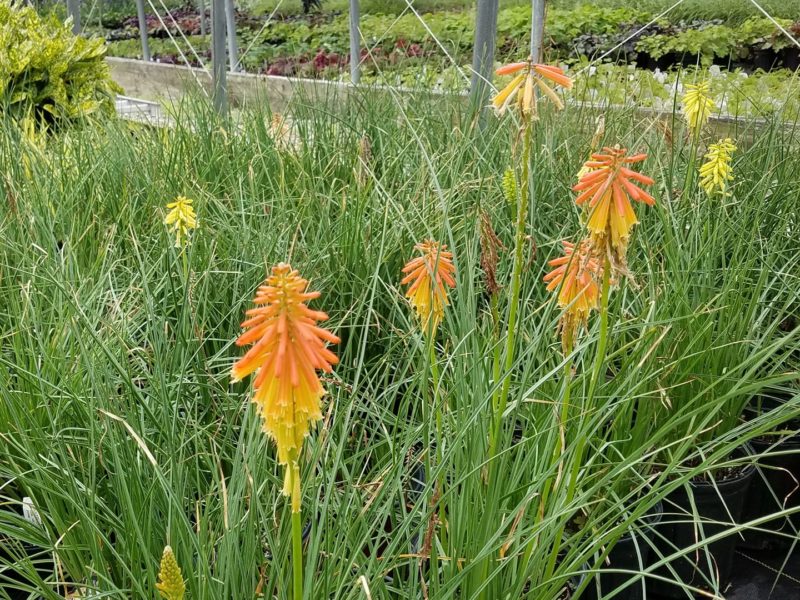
(399, 46)
(48, 74)
(733, 10)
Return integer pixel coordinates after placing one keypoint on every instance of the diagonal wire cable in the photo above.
(774, 22)
(371, 49)
(438, 43)
(619, 45)
(175, 43)
(630, 37)
(91, 12)
(409, 7)
(178, 28)
(255, 37)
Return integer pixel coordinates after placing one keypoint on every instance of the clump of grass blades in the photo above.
(118, 420)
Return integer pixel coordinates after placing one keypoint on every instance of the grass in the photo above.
(118, 418)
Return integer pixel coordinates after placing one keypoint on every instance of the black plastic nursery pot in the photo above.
(662, 63)
(12, 578)
(716, 503)
(791, 58)
(774, 488)
(628, 556)
(765, 60)
(15, 553)
(568, 593)
(570, 589)
(690, 60)
(772, 399)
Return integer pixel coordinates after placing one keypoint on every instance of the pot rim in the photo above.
(749, 470)
(648, 520)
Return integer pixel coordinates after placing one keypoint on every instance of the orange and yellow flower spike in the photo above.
(529, 75)
(428, 276)
(607, 189)
(287, 349)
(575, 277)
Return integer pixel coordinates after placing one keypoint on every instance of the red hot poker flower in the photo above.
(288, 348)
(607, 187)
(528, 76)
(574, 276)
(428, 276)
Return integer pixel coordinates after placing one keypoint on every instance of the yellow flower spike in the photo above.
(170, 580)
(287, 349)
(529, 76)
(509, 186)
(181, 218)
(575, 278)
(717, 172)
(428, 276)
(698, 105)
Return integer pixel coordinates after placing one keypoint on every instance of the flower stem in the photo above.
(602, 342)
(551, 484)
(185, 269)
(435, 399)
(560, 453)
(516, 280)
(496, 360)
(439, 433)
(565, 399)
(297, 532)
(689, 181)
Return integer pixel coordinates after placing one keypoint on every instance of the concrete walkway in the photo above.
(142, 111)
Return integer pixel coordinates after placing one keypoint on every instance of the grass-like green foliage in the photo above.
(118, 419)
(733, 10)
(46, 72)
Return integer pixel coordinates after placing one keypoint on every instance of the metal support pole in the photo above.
(537, 29)
(201, 9)
(230, 21)
(483, 49)
(218, 56)
(74, 11)
(143, 29)
(355, 42)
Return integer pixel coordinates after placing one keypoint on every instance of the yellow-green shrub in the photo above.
(47, 72)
